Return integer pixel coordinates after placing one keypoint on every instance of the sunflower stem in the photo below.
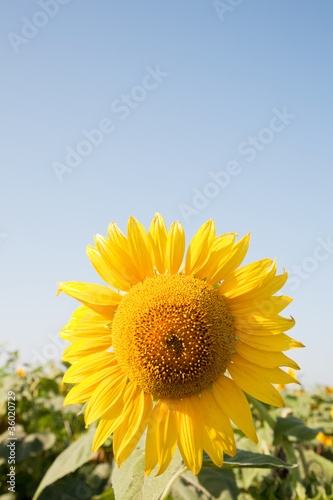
(303, 461)
(198, 486)
(292, 459)
(262, 410)
(176, 475)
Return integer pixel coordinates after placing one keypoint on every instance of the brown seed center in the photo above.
(173, 335)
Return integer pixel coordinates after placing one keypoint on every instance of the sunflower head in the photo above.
(173, 335)
(178, 344)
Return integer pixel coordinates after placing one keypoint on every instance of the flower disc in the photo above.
(173, 335)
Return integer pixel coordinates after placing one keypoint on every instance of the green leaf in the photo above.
(55, 403)
(319, 466)
(84, 483)
(248, 459)
(130, 481)
(19, 434)
(220, 483)
(217, 484)
(34, 443)
(292, 426)
(48, 384)
(77, 454)
(106, 495)
(325, 425)
(181, 490)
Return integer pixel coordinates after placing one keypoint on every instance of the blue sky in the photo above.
(205, 110)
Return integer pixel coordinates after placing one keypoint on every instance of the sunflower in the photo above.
(325, 439)
(175, 349)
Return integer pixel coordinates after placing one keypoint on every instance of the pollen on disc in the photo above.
(173, 335)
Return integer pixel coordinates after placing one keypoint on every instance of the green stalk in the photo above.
(262, 410)
(292, 459)
(178, 473)
(287, 445)
(303, 460)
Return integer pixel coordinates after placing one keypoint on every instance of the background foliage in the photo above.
(54, 459)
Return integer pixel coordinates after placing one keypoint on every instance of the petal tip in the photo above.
(95, 448)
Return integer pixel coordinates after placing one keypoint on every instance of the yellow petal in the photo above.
(87, 334)
(175, 248)
(87, 366)
(106, 394)
(140, 248)
(220, 250)
(233, 401)
(256, 380)
(263, 307)
(267, 359)
(253, 383)
(190, 434)
(279, 342)
(92, 294)
(221, 242)
(117, 237)
(100, 298)
(84, 318)
(82, 392)
(104, 270)
(217, 431)
(270, 288)
(162, 436)
(266, 286)
(259, 325)
(324, 439)
(127, 435)
(232, 262)
(151, 458)
(158, 235)
(274, 375)
(199, 248)
(116, 253)
(115, 416)
(70, 338)
(251, 288)
(243, 278)
(106, 427)
(84, 348)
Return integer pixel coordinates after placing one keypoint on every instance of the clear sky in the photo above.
(196, 110)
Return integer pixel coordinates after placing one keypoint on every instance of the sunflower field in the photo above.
(54, 458)
(167, 250)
